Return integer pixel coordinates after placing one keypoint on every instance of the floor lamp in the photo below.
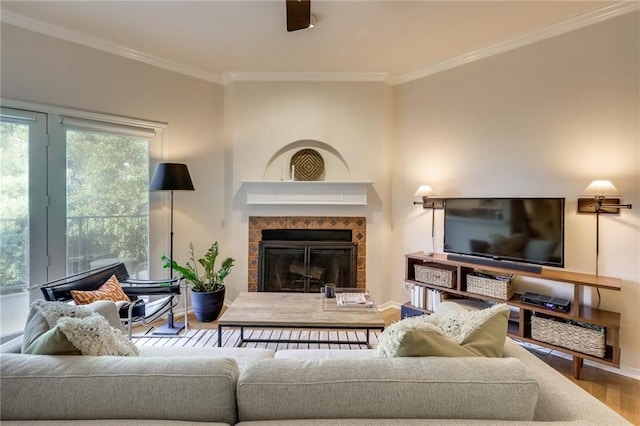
(171, 177)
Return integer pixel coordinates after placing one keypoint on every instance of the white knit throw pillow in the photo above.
(53, 311)
(93, 335)
(456, 327)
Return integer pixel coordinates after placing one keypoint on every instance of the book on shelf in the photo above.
(426, 298)
(417, 296)
(361, 300)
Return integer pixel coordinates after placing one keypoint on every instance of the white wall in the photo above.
(542, 120)
(354, 119)
(45, 70)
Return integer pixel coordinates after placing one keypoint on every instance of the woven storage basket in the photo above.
(570, 336)
(500, 289)
(436, 274)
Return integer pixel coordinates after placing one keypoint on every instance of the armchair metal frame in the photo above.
(138, 311)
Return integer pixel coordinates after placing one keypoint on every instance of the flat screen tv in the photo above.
(527, 230)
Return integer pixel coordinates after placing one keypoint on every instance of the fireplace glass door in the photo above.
(305, 266)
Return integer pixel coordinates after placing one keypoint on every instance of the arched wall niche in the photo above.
(335, 166)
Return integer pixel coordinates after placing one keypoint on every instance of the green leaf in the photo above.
(212, 280)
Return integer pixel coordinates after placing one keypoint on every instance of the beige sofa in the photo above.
(167, 385)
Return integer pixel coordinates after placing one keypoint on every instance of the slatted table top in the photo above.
(296, 310)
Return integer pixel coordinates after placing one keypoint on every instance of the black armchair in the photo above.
(138, 311)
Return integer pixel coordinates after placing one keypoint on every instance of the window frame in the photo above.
(47, 182)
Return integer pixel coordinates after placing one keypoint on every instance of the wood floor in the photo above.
(619, 392)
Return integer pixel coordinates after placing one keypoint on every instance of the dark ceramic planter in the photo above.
(207, 306)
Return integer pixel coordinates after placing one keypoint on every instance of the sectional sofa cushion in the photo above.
(242, 356)
(398, 388)
(44, 387)
(309, 354)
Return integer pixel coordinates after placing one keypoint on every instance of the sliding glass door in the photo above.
(23, 147)
(73, 196)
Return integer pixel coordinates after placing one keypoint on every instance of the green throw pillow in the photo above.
(35, 327)
(488, 339)
(52, 342)
(43, 316)
(43, 334)
(429, 343)
(472, 333)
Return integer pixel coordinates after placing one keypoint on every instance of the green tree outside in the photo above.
(14, 206)
(107, 201)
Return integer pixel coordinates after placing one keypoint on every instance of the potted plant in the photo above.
(207, 289)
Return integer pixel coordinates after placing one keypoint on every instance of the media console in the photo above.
(520, 328)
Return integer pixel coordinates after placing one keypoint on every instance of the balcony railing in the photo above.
(14, 247)
(90, 239)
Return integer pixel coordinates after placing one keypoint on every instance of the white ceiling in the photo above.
(363, 39)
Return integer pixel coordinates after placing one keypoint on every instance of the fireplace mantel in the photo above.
(307, 192)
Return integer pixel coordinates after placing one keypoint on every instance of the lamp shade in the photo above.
(601, 188)
(171, 177)
(424, 191)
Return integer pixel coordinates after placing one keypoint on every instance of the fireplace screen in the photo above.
(305, 266)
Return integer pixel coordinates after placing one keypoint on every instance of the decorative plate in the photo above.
(308, 164)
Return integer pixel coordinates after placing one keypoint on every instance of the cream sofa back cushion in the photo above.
(397, 388)
(62, 387)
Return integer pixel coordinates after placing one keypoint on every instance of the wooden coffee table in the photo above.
(296, 310)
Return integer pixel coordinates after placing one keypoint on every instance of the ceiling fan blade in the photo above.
(298, 14)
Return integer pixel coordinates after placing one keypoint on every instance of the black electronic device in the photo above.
(554, 303)
(522, 230)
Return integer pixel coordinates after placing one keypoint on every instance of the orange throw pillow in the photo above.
(110, 290)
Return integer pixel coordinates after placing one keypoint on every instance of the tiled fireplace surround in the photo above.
(358, 226)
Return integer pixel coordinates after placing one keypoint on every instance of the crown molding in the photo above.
(307, 76)
(576, 22)
(105, 46)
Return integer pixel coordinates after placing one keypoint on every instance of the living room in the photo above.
(540, 119)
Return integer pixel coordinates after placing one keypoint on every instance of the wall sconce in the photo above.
(425, 191)
(601, 201)
(599, 204)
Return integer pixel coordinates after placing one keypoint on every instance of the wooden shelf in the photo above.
(608, 283)
(521, 328)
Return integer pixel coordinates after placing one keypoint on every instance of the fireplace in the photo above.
(304, 260)
(348, 243)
